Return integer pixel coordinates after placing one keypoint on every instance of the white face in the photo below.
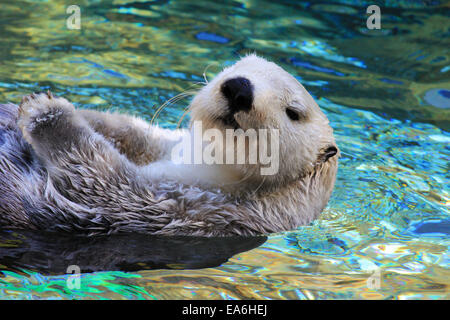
(258, 94)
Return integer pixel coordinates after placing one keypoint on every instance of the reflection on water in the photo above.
(386, 93)
(52, 254)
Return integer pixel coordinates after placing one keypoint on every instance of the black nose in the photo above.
(239, 93)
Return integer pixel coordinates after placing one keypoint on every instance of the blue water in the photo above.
(386, 93)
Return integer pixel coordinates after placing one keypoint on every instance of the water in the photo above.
(385, 232)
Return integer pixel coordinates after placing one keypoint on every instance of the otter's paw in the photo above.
(39, 110)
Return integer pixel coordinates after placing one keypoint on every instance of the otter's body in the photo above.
(89, 172)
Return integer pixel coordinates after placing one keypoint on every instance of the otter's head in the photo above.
(257, 94)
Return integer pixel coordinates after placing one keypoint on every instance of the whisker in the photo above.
(170, 101)
(206, 69)
(185, 112)
(248, 175)
(199, 82)
(175, 98)
(262, 182)
(166, 103)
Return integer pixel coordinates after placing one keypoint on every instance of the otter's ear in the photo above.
(327, 153)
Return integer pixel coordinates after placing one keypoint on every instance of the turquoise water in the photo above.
(385, 232)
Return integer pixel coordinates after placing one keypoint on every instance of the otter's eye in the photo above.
(292, 114)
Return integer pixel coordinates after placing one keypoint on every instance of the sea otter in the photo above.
(87, 172)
